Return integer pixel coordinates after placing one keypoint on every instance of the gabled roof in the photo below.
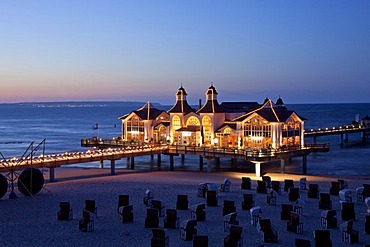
(269, 112)
(225, 125)
(147, 112)
(165, 124)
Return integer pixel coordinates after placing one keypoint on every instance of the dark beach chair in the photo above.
(159, 238)
(123, 200)
(294, 224)
(212, 198)
(348, 211)
(288, 183)
(246, 183)
(188, 229)
(322, 238)
(329, 219)
(126, 213)
(235, 237)
(86, 224)
(152, 218)
(293, 194)
(313, 191)
(286, 209)
(158, 205)
(228, 207)
(171, 220)
(325, 201)
(261, 187)
(335, 188)
(182, 202)
(198, 212)
(90, 206)
(349, 235)
(230, 219)
(248, 201)
(275, 185)
(267, 233)
(65, 211)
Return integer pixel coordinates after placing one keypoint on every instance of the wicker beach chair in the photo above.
(171, 220)
(248, 201)
(230, 219)
(246, 183)
(288, 183)
(182, 202)
(90, 206)
(159, 238)
(65, 211)
(325, 201)
(188, 229)
(228, 207)
(349, 235)
(86, 224)
(152, 218)
(322, 238)
(235, 237)
(267, 233)
(126, 213)
(198, 212)
(123, 200)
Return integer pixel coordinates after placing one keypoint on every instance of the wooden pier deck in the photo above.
(116, 152)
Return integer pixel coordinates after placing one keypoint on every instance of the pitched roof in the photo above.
(147, 112)
(268, 112)
(230, 125)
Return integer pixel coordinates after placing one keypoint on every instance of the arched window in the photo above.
(176, 124)
(207, 131)
(192, 121)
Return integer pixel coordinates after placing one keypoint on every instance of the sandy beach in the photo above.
(31, 221)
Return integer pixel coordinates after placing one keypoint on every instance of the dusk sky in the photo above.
(304, 51)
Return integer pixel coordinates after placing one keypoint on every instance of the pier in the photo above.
(118, 152)
(342, 131)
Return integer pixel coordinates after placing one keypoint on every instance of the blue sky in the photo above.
(303, 51)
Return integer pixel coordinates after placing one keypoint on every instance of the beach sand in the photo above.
(31, 221)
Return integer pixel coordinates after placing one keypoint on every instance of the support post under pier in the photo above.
(102, 164)
(234, 163)
(171, 163)
(257, 168)
(132, 163)
(200, 163)
(282, 165)
(112, 167)
(159, 161)
(51, 174)
(304, 164)
(209, 165)
(182, 159)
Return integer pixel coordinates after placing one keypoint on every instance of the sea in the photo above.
(58, 127)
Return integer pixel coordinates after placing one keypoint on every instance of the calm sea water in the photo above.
(63, 125)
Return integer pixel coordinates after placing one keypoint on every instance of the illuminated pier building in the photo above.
(229, 124)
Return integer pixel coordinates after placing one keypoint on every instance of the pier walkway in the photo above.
(342, 131)
(115, 151)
